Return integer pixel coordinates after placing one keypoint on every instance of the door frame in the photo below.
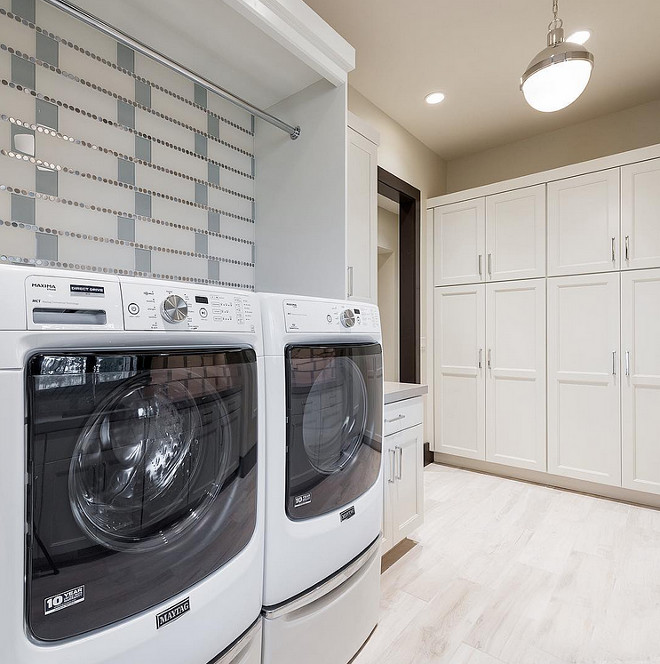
(409, 200)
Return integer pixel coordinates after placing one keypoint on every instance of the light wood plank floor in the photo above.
(505, 571)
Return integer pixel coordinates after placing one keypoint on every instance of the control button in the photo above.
(174, 309)
(347, 318)
(203, 312)
(133, 309)
(329, 318)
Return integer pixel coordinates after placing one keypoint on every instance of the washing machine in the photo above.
(131, 471)
(324, 418)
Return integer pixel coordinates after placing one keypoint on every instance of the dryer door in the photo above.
(143, 479)
(334, 430)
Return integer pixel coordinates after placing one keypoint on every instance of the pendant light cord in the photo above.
(556, 22)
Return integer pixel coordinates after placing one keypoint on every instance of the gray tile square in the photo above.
(201, 243)
(142, 260)
(24, 8)
(214, 174)
(214, 222)
(142, 204)
(22, 140)
(46, 246)
(253, 167)
(22, 72)
(254, 254)
(125, 171)
(46, 181)
(201, 194)
(252, 119)
(125, 57)
(125, 114)
(22, 209)
(47, 115)
(143, 93)
(213, 126)
(214, 270)
(254, 210)
(126, 229)
(200, 95)
(48, 50)
(142, 148)
(201, 145)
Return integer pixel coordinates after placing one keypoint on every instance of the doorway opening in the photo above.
(399, 234)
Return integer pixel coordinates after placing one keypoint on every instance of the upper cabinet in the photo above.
(362, 220)
(640, 214)
(459, 242)
(515, 234)
(583, 224)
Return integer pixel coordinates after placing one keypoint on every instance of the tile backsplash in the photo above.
(112, 162)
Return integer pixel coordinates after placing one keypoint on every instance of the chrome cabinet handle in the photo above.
(614, 363)
(390, 479)
(480, 266)
(490, 266)
(614, 250)
(394, 419)
(627, 247)
(480, 360)
(400, 471)
(627, 363)
(350, 281)
(488, 361)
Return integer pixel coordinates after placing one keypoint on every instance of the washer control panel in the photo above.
(150, 306)
(319, 317)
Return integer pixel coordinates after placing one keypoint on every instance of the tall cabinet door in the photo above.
(459, 238)
(640, 329)
(515, 234)
(584, 438)
(515, 374)
(459, 399)
(640, 214)
(583, 224)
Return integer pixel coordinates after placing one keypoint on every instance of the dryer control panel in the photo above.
(321, 317)
(151, 306)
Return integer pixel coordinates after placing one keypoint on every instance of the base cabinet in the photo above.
(403, 507)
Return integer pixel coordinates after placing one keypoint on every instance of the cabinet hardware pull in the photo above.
(395, 419)
(614, 250)
(614, 363)
(350, 281)
(490, 266)
(390, 479)
(627, 247)
(480, 360)
(489, 358)
(400, 471)
(479, 266)
(627, 363)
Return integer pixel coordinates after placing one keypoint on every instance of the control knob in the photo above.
(347, 318)
(174, 309)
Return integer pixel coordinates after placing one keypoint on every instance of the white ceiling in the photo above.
(475, 51)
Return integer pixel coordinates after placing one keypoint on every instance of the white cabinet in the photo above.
(459, 394)
(515, 234)
(584, 440)
(515, 374)
(583, 224)
(459, 242)
(362, 219)
(640, 214)
(640, 391)
(403, 468)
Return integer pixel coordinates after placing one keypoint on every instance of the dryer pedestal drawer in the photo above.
(403, 415)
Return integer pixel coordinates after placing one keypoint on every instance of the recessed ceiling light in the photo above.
(434, 98)
(579, 37)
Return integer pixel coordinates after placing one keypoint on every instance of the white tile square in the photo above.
(179, 110)
(95, 254)
(150, 178)
(178, 213)
(178, 266)
(163, 236)
(16, 173)
(163, 76)
(17, 242)
(178, 161)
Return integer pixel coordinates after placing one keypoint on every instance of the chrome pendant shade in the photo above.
(559, 74)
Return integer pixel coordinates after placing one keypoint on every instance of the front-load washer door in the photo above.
(334, 426)
(143, 479)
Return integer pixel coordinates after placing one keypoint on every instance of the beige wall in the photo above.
(631, 128)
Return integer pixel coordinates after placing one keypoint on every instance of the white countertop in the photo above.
(399, 391)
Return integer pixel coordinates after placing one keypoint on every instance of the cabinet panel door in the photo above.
(515, 234)
(640, 214)
(409, 511)
(640, 328)
(515, 374)
(459, 238)
(583, 224)
(362, 220)
(389, 495)
(459, 395)
(584, 438)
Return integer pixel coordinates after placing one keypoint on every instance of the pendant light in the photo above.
(558, 75)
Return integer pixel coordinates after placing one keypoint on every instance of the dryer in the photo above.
(324, 418)
(132, 474)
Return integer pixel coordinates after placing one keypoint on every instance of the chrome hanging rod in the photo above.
(136, 45)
